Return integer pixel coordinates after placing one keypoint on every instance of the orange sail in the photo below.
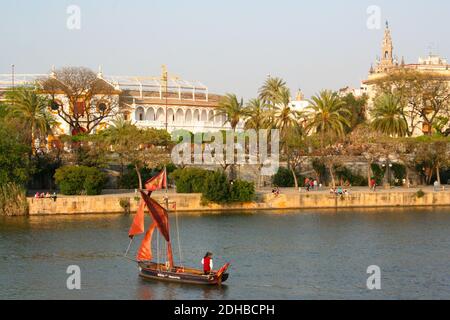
(157, 182)
(159, 215)
(145, 250)
(137, 227)
(161, 218)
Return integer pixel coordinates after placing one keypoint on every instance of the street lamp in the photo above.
(12, 75)
(388, 166)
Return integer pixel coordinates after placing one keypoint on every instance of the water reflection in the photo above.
(282, 255)
(155, 290)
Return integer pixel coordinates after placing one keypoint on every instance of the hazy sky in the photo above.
(229, 45)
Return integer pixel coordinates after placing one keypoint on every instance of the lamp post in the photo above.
(388, 166)
(12, 76)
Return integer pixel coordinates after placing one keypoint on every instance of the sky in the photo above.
(229, 45)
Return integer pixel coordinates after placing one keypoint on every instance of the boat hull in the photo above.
(191, 276)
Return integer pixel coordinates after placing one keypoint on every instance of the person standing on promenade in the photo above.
(373, 184)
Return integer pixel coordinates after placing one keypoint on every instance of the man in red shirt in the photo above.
(207, 263)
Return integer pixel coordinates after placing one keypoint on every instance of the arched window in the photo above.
(150, 114)
(139, 114)
(160, 115)
(179, 117)
(196, 116)
(188, 116)
(211, 116)
(170, 115)
(204, 116)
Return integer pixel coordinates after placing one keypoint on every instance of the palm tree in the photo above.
(388, 116)
(287, 120)
(256, 112)
(257, 119)
(284, 117)
(328, 115)
(31, 108)
(271, 89)
(234, 111)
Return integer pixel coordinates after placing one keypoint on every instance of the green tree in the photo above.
(138, 147)
(256, 112)
(30, 107)
(269, 92)
(357, 107)
(388, 116)
(327, 115)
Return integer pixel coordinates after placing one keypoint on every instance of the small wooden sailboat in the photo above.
(149, 269)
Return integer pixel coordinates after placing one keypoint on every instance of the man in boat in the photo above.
(207, 263)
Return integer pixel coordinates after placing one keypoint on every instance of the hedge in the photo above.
(213, 185)
(77, 180)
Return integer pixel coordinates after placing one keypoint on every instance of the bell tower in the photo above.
(387, 52)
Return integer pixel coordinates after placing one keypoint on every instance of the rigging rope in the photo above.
(157, 248)
(128, 249)
(178, 239)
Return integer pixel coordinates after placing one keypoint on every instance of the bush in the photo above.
(420, 194)
(129, 180)
(242, 191)
(216, 188)
(190, 180)
(125, 205)
(94, 182)
(76, 180)
(283, 178)
(213, 185)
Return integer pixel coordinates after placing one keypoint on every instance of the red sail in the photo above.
(137, 226)
(157, 182)
(145, 250)
(161, 218)
(159, 215)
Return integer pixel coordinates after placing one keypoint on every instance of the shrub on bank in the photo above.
(190, 180)
(284, 178)
(216, 188)
(213, 185)
(242, 191)
(77, 180)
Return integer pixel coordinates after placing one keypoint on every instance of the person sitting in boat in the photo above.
(207, 263)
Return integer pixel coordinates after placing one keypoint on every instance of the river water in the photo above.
(283, 255)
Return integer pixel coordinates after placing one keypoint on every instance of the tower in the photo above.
(387, 52)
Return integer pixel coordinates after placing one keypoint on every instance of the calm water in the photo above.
(308, 255)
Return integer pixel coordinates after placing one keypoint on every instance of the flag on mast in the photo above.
(158, 182)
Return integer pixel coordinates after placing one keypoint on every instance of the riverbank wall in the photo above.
(191, 203)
